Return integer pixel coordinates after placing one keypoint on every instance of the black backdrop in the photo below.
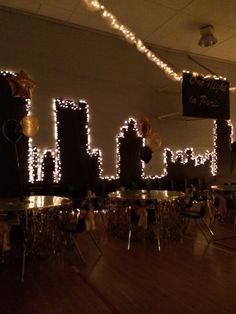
(11, 180)
(79, 168)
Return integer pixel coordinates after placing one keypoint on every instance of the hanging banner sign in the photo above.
(205, 97)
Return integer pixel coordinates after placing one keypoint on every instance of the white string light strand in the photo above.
(132, 38)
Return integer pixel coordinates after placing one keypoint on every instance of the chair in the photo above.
(17, 240)
(96, 203)
(197, 213)
(143, 214)
(99, 206)
(73, 229)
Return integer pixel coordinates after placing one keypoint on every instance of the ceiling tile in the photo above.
(214, 11)
(224, 50)
(182, 33)
(172, 24)
(174, 4)
(31, 6)
(63, 4)
(54, 12)
(89, 19)
(142, 17)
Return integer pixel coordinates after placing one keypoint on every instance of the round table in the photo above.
(158, 195)
(224, 187)
(39, 217)
(165, 205)
(32, 203)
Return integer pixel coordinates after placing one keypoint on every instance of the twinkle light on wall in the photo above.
(179, 155)
(124, 129)
(35, 162)
(92, 152)
(214, 159)
(6, 73)
(132, 38)
(31, 150)
(36, 159)
(42, 164)
(185, 156)
(232, 131)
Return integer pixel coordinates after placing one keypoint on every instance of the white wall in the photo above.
(116, 80)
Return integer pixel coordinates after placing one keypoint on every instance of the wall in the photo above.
(116, 80)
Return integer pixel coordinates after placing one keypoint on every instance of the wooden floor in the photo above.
(189, 277)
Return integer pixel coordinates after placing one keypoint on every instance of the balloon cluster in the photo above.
(153, 140)
(14, 129)
(233, 147)
(21, 85)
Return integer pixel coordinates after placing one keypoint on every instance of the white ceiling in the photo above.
(172, 24)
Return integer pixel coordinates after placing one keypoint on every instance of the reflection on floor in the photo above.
(189, 277)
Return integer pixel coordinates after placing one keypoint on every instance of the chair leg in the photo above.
(129, 236)
(234, 221)
(208, 227)
(158, 239)
(203, 232)
(214, 218)
(95, 242)
(102, 217)
(77, 249)
(23, 263)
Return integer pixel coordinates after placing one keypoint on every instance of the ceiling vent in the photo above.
(207, 38)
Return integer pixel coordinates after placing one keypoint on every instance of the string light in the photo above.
(35, 162)
(130, 122)
(232, 131)
(185, 157)
(214, 159)
(215, 132)
(70, 105)
(168, 155)
(46, 153)
(132, 38)
(6, 73)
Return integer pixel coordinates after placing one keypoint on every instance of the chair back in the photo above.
(198, 210)
(80, 226)
(134, 217)
(96, 202)
(202, 211)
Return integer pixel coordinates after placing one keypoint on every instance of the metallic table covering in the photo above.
(224, 187)
(146, 195)
(32, 203)
(39, 218)
(165, 204)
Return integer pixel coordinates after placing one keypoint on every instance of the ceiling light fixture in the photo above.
(207, 38)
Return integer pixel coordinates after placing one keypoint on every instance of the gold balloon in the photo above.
(144, 127)
(30, 126)
(154, 141)
(21, 85)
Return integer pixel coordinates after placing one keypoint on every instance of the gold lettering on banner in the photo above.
(192, 100)
(217, 86)
(196, 80)
(205, 101)
(211, 84)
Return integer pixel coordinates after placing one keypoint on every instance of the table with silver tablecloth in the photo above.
(166, 205)
(38, 217)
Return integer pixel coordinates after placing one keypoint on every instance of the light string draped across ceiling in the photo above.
(132, 38)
